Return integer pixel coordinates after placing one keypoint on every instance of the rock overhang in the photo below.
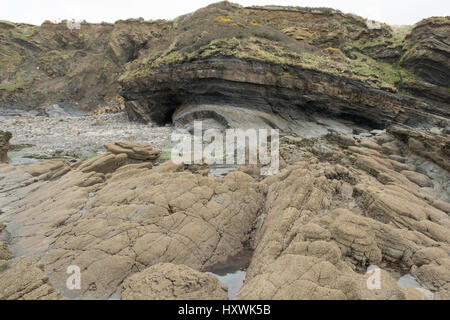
(286, 92)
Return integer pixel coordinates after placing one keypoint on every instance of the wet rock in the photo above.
(168, 281)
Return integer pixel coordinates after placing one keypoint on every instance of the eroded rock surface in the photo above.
(339, 205)
(27, 281)
(347, 198)
(339, 211)
(166, 281)
(113, 219)
(428, 50)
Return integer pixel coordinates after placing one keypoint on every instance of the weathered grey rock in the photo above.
(55, 111)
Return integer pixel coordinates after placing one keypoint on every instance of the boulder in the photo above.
(5, 136)
(166, 281)
(134, 150)
(55, 111)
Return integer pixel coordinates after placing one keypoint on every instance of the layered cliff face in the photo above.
(74, 67)
(428, 55)
(288, 63)
(428, 51)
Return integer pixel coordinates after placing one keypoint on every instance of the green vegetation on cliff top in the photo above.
(280, 38)
(315, 38)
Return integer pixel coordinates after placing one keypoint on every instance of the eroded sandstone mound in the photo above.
(168, 281)
(113, 219)
(326, 223)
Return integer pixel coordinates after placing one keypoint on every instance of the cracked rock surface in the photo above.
(112, 225)
(340, 206)
(166, 281)
(326, 222)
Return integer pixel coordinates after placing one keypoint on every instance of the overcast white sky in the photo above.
(35, 12)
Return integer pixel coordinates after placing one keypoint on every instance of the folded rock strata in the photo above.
(296, 60)
(265, 66)
(217, 88)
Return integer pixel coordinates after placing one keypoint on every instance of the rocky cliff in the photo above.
(346, 200)
(290, 64)
(281, 62)
(52, 64)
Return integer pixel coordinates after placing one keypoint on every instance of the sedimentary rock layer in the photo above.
(287, 93)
